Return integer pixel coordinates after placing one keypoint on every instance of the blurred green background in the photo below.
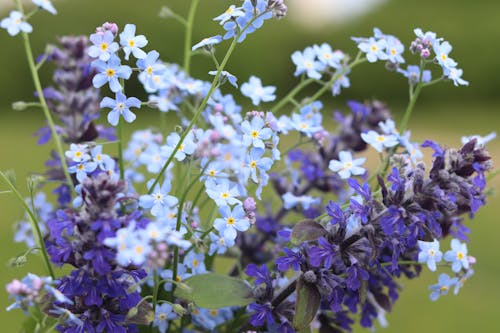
(444, 113)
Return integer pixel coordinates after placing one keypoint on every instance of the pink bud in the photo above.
(425, 53)
(472, 260)
(14, 288)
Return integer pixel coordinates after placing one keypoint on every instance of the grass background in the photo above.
(444, 113)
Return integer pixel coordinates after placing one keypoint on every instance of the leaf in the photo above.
(306, 231)
(308, 302)
(215, 291)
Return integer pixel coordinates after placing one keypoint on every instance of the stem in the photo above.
(285, 292)
(119, 130)
(413, 99)
(290, 96)
(189, 35)
(43, 102)
(155, 294)
(34, 224)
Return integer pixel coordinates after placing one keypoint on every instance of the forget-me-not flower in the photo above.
(232, 220)
(255, 132)
(230, 13)
(110, 72)
(159, 200)
(457, 256)
(379, 141)
(120, 106)
(45, 5)
(455, 74)
(226, 76)
(444, 284)
(15, 23)
(374, 49)
(103, 45)
(163, 314)
(442, 50)
(132, 43)
(345, 166)
(254, 90)
(224, 193)
(207, 41)
(151, 71)
(429, 253)
(306, 63)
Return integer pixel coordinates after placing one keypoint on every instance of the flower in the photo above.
(164, 313)
(120, 106)
(159, 201)
(346, 166)
(412, 72)
(374, 49)
(306, 63)
(45, 5)
(152, 69)
(232, 220)
(429, 253)
(255, 131)
(132, 43)
(379, 141)
(110, 72)
(207, 42)
(103, 47)
(443, 286)
(455, 74)
(231, 13)
(457, 256)
(223, 193)
(256, 92)
(15, 23)
(442, 50)
(226, 76)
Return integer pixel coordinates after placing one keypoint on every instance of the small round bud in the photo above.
(425, 53)
(310, 277)
(249, 205)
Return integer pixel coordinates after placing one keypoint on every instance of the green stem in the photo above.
(34, 224)
(43, 102)
(119, 130)
(155, 293)
(290, 96)
(189, 35)
(413, 99)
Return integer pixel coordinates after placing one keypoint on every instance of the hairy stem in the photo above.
(189, 35)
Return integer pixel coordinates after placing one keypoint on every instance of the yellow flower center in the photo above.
(374, 48)
(255, 134)
(131, 43)
(149, 70)
(211, 173)
(162, 316)
(460, 255)
(139, 249)
(104, 46)
(444, 57)
(230, 220)
(380, 138)
(444, 288)
(195, 263)
(224, 195)
(308, 64)
(214, 312)
(253, 164)
(110, 72)
(393, 52)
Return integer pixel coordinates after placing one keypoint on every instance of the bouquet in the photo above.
(268, 219)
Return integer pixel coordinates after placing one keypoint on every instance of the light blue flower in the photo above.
(255, 132)
(82, 169)
(444, 284)
(442, 50)
(187, 147)
(255, 162)
(110, 72)
(232, 220)
(428, 36)
(219, 244)
(374, 49)
(181, 275)
(120, 106)
(379, 141)
(78, 152)
(151, 70)
(15, 23)
(103, 45)
(412, 72)
(132, 43)
(163, 314)
(429, 253)
(254, 90)
(207, 41)
(229, 14)
(327, 56)
(45, 5)
(195, 262)
(306, 63)
(226, 76)
(455, 74)
(457, 256)
(345, 166)
(223, 193)
(394, 49)
(342, 82)
(159, 200)
(290, 201)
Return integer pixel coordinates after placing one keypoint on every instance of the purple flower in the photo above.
(291, 258)
(263, 314)
(260, 273)
(325, 252)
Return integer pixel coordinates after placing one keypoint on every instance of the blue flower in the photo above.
(103, 45)
(342, 82)
(152, 69)
(254, 161)
(442, 50)
(78, 152)
(223, 193)
(306, 63)
(225, 75)
(260, 273)
(231, 221)
(159, 201)
(15, 23)
(328, 57)
(345, 166)
(120, 106)
(207, 41)
(455, 74)
(291, 258)
(262, 313)
(110, 72)
(374, 49)
(394, 49)
(429, 253)
(443, 286)
(163, 313)
(255, 132)
(457, 256)
(231, 13)
(196, 262)
(187, 147)
(132, 43)
(219, 244)
(379, 141)
(412, 72)
(290, 201)
(324, 253)
(45, 5)
(256, 92)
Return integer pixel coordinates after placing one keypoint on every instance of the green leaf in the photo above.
(215, 291)
(306, 231)
(308, 302)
